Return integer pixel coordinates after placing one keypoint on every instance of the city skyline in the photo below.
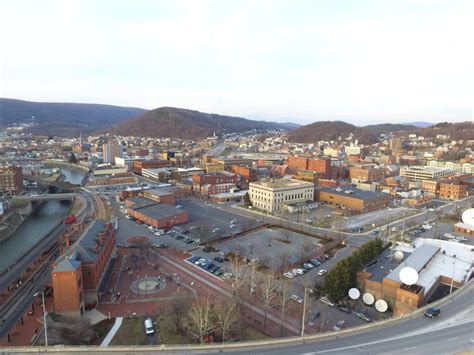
(365, 62)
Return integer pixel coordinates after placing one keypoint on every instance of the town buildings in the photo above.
(351, 200)
(362, 174)
(139, 165)
(452, 190)
(156, 214)
(214, 183)
(425, 172)
(11, 179)
(80, 274)
(437, 263)
(276, 195)
(110, 151)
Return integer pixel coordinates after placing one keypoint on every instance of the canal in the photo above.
(36, 225)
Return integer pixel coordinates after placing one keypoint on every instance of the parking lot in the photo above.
(204, 217)
(271, 245)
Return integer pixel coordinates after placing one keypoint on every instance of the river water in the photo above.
(36, 225)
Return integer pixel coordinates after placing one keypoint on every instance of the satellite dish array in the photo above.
(408, 275)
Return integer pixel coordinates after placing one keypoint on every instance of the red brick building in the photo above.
(249, 174)
(11, 179)
(139, 165)
(159, 215)
(81, 274)
(452, 191)
(297, 163)
(322, 166)
(209, 184)
(366, 174)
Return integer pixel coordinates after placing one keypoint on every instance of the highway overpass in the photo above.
(45, 197)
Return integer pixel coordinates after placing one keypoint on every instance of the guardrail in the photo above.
(237, 345)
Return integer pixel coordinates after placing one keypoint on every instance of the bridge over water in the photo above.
(45, 197)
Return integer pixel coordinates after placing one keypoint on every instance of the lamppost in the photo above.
(304, 310)
(44, 316)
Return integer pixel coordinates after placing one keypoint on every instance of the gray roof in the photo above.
(418, 260)
(383, 266)
(354, 192)
(86, 247)
(160, 211)
(67, 264)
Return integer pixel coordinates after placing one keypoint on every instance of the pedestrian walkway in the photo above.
(113, 331)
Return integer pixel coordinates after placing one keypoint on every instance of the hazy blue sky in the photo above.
(361, 61)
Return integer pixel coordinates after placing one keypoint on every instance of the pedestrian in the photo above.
(192, 283)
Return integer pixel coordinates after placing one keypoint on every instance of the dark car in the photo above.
(314, 315)
(316, 262)
(219, 259)
(194, 258)
(189, 241)
(432, 312)
(208, 266)
(214, 268)
(344, 309)
(218, 271)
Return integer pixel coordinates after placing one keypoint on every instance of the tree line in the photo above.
(344, 274)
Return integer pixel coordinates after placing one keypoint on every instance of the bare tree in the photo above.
(179, 308)
(286, 234)
(268, 291)
(284, 287)
(226, 316)
(201, 320)
(283, 259)
(239, 275)
(204, 233)
(305, 250)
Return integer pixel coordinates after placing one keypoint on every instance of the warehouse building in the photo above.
(353, 201)
(159, 215)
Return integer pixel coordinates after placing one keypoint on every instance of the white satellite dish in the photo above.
(368, 298)
(381, 306)
(354, 293)
(408, 275)
(398, 255)
(468, 217)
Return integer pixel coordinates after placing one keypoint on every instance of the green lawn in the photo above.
(130, 333)
(167, 332)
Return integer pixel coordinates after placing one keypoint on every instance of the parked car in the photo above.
(338, 326)
(432, 312)
(322, 272)
(193, 258)
(363, 317)
(200, 261)
(308, 266)
(316, 262)
(288, 275)
(296, 298)
(344, 309)
(219, 259)
(299, 271)
(327, 301)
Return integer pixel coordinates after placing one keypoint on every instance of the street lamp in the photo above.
(304, 310)
(44, 316)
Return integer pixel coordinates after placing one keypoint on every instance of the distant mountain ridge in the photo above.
(188, 124)
(389, 127)
(330, 131)
(63, 119)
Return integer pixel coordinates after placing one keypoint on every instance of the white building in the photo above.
(275, 195)
(425, 172)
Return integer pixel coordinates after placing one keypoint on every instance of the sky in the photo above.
(360, 61)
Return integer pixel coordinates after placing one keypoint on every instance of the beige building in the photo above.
(276, 195)
(421, 173)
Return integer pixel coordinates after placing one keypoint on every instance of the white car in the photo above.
(298, 271)
(296, 298)
(288, 275)
(179, 206)
(307, 220)
(327, 301)
(448, 236)
(322, 272)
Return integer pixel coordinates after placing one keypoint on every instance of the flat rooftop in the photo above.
(159, 211)
(352, 192)
(428, 169)
(283, 183)
(384, 265)
(417, 260)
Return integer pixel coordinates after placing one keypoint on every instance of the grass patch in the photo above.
(77, 206)
(130, 333)
(102, 329)
(250, 333)
(166, 329)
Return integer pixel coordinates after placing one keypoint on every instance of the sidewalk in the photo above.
(113, 331)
